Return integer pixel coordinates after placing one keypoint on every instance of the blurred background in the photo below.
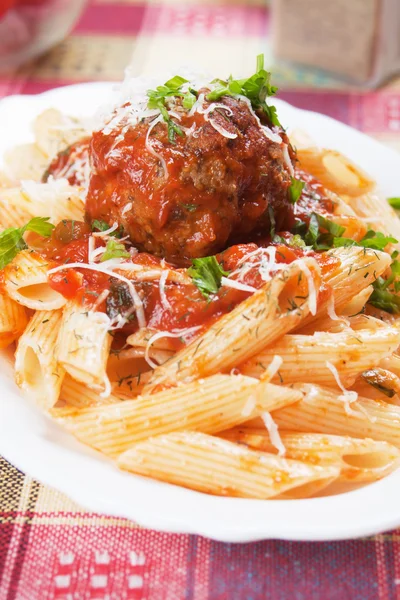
(320, 56)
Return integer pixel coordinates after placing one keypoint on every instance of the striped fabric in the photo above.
(50, 548)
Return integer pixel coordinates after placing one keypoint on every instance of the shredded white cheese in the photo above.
(237, 285)
(332, 313)
(138, 304)
(273, 431)
(175, 333)
(312, 292)
(249, 406)
(163, 296)
(347, 397)
(273, 368)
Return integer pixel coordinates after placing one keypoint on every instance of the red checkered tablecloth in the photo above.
(51, 548)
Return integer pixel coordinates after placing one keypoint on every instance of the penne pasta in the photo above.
(26, 161)
(334, 170)
(377, 213)
(256, 322)
(26, 282)
(84, 345)
(12, 215)
(323, 410)
(37, 370)
(359, 460)
(55, 131)
(13, 320)
(209, 405)
(357, 268)
(198, 300)
(215, 466)
(305, 357)
(78, 395)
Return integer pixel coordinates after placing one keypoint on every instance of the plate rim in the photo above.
(177, 521)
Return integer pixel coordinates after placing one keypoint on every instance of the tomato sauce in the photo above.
(178, 306)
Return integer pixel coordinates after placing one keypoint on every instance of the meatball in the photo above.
(189, 197)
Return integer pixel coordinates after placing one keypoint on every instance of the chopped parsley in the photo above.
(103, 226)
(157, 100)
(12, 240)
(295, 189)
(256, 88)
(385, 291)
(114, 249)
(372, 239)
(206, 274)
(189, 207)
(394, 202)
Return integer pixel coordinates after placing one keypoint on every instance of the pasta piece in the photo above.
(305, 356)
(11, 215)
(55, 131)
(129, 372)
(215, 466)
(56, 199)
(142, 338)
(26, 161)
(356, 304)
(335, 171)
(77, 394)
(257, 321)
(13, 320)
(323, 410)
(37, 370)
(210, 405)
(357, 268)
(359, 460)
(377, 213)
(25, 280)
(84, 345)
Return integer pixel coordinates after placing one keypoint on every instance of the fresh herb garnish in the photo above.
(376, 380)
(256, 88)
(100, 225)
(372, 239)
(12, 240)
(206, 274)
(295, 189)
(385, 291)
(103, 226)
(157, 100)
(114, 249)
(394, 202)
(189, 207)
(322, 240)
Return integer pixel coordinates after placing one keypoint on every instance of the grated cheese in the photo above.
(332, 313)
(163, 296)
(175, 333)
(138, 304)
(236, 285)
(249, 406)
(273, 431)
(312, 292)
(347, 397)
(150, 148)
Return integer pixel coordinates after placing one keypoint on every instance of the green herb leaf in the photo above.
(206, 274)
(12, 241)
(157, 100)
(189, 99)
(100, 225)
(394, 202)
(295, 189)
(372, 239)
(256, 88)
(189, 207)
(114, 249)
(384, 299)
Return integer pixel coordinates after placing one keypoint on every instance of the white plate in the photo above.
(37, 446)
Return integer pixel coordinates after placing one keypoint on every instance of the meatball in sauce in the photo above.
(220, 182)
